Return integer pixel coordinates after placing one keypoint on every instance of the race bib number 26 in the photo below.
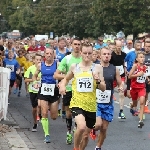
(85, 84)
(47, 89)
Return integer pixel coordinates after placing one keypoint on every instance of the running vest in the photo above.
(147, 63)
(59, 55)
(84, 90)
(109, 74)
(139, 82)
(48, 72)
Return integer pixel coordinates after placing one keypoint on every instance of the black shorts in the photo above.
(33, 99)
(147, 88)
(67, 98)
(12, 83)
(18, 77)
(90, 117)
(50, 99)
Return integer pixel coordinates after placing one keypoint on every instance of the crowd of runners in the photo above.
(75, 79)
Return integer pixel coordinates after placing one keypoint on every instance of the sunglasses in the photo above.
(77, 44)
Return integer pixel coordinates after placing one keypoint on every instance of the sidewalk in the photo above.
(9, 138)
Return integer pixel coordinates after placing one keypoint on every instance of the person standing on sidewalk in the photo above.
(32, 91)
(48, 92)
(86, 77)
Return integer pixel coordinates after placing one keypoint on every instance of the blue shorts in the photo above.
(105, 111)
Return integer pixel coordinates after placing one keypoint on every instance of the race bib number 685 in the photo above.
(85, 84)
(47, 89)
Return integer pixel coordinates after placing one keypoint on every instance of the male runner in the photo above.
(64, 67)
(86, 77)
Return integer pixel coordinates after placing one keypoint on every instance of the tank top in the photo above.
(109, 74)
(84, 90)
(47, 73)
(139, 82)
(59, 55)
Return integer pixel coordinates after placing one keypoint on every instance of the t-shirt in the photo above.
(65, 65)
(20, 60)
(13, 65)
(28, 74)
(26, 64)
(118, 60)
(147, 63)
(126, 50)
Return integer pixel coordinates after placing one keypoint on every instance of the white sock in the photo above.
(59, 106)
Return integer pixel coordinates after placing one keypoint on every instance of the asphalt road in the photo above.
(123, 135)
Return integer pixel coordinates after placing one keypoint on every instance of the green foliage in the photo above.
(84, 18)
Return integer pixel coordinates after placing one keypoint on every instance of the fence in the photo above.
(4, 91)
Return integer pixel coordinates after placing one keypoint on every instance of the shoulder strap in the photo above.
(92, 67)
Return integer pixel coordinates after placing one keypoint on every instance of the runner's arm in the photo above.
(68, 76)
(38, 69)
(118, 78)
(102, 85)
(131, 75)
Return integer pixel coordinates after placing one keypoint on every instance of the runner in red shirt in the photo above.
(33, 48)
(138, 77)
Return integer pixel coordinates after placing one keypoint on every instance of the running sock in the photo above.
(45, 125)
(121, 110)
(69, 124)
(59, 106)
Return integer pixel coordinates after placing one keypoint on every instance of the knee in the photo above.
(98, 126)
(54, 116)
(85, 137)
(81, 128)
(104, 129)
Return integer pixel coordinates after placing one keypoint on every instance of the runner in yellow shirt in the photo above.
(86, 77)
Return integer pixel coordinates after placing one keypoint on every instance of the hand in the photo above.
(140, 73)
(128, 94)
(36, 85)
(17, 72)
(62, 90)
(96, 76)
(120, 89)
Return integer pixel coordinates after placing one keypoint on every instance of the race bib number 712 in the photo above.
(85, 84)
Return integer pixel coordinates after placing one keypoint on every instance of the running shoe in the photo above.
(47, 139)
(19, 94)
(34, 129)
(69, 138)
(15, 90)
(121, 115)
(63, 116)
(59, 112)
(134, 112)
(97, 148)
(38, 118)
(141, 124)
(93, 134)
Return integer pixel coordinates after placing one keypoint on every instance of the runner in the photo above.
(147, 63)
(129, 60)
(138, 77)
(117, 59)
(105, 107)
(48, 93)
(64, 67)
(83, 102)
(12, 64)
(33, 92)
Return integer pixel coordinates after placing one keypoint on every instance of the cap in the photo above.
(130, 42)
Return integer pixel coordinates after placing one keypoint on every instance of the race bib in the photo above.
(148, 71)
(31, 86)
(85, 84)
(11, 67)
(121, 69)
(47, 89)
(70, 83)
(141, 79)
(103, 97)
